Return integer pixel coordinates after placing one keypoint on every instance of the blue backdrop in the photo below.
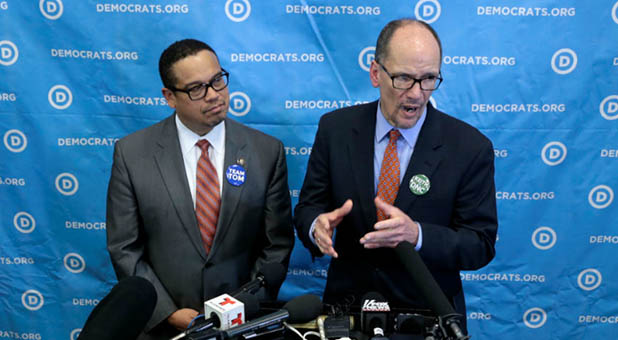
(538, 77)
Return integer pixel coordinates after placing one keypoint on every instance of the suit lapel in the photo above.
(235, 153)
(428, 152)
(361, 150)
(170, 163)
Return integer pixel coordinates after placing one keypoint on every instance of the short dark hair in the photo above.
(175, 52)
(387, 33)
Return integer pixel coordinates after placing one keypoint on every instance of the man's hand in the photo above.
(325, 226)
(389, 233)
(181, 318)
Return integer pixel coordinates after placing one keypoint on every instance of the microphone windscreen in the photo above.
(251, 302)
(274, 275)
(303, 308)
(123, 313)
(422, 280)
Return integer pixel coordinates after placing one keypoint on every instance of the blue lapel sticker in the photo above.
(235, 175)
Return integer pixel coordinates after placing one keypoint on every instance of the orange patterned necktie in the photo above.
(207, 199)
(388, 183)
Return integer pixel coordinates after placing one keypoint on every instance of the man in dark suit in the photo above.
(441, 198)
(196, 223)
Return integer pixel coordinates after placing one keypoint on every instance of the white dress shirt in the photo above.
(191, 153)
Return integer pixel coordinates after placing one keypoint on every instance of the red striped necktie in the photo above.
(207, 199)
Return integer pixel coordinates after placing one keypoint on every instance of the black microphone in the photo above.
(123, 313)
(374, 315)
(298, 310)
(270, 276)
(424, 282)
(252, 307)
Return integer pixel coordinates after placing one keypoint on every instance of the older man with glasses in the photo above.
(197, 204)
(398, 170)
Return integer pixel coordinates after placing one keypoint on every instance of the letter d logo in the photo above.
(564, 61)
(609, 107)
(237, 10)
(365, 57)
(427, 10)
(8, 53)
(32, 300)
(601, 196)
(535, 317)
(240, 104)
(67, 184)
(51, 9)
(60, 97)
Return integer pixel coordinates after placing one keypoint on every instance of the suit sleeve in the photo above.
(278, 233)
(125, 239)
(468, 243)
(315, 196)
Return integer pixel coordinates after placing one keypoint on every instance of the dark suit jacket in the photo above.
(457, 214)
(152, 230)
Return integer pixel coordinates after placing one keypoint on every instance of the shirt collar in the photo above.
(188, 138)
(409, 135)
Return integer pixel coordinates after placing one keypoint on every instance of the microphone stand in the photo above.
(440, 330)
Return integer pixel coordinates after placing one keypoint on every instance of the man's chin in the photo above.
(406, 123)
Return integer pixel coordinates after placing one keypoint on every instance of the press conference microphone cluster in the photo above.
(298, 310)
(374, 312)
(270, 276)
(424, 283)
(224, 312)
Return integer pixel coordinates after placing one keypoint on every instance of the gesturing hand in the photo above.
(397, 228)
(325, 226)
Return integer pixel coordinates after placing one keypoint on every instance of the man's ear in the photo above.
(170, 97)
(374, 71)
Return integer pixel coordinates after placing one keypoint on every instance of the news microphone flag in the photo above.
(229, 310)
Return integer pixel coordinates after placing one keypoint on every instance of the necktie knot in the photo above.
(203, 144)
(393, 135)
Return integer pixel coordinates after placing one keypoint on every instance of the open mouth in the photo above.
(412, 109)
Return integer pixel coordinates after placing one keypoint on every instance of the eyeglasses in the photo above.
(406, 82)
(197, 92)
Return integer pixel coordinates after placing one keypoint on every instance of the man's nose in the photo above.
(211, 95)
(415, 91)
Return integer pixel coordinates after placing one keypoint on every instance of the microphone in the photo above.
(123, 313)
(373, 315)
(271, 276)
(223, 318)
(298, 310)
(424, 282)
